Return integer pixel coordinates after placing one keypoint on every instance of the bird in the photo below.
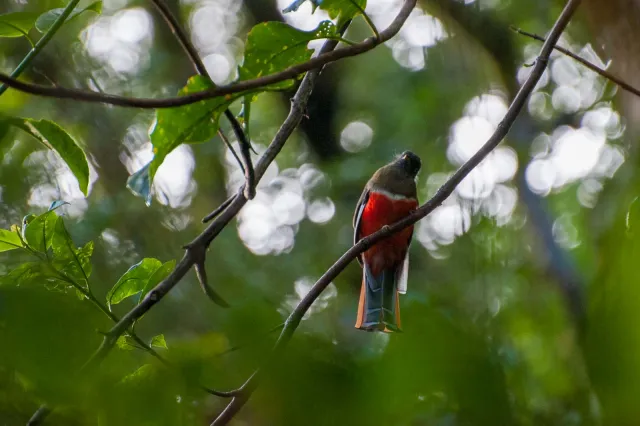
(388, 196)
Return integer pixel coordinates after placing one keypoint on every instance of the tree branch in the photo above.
(591, 66)
(41, 43)
(292, 322)
(241, 86)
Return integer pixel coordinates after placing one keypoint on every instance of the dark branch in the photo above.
(591, 66)
(441, 195)
(241, 86)
(219, 209)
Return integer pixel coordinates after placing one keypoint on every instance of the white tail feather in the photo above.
(404, 275)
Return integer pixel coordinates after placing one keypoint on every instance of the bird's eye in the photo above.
(405, 157)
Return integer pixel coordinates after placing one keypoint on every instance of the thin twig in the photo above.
(590, 65)
(233, 151)
(41, 43)
(240, 86)
(38, 417)
(441, 195)
(218, 210)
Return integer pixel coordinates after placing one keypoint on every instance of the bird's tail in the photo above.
(379, 307)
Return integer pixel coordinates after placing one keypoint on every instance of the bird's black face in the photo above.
(410, 163)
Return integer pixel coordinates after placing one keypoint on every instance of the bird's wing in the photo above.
(362, 202)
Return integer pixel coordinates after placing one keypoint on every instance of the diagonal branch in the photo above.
(292, 322)
(240, 86)
(591, 66)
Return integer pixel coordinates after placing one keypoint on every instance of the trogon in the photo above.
(389, 196)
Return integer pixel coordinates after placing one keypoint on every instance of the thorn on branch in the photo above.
(245, 151)
(201, 273)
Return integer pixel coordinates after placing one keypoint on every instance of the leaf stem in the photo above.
(41, 43)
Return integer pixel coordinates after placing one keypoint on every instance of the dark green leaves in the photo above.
(342, 9)
(60, 264)
(54, 137)
(275, 46)
(46, 20)
(16, 24)
(141, 277)
(9, 240)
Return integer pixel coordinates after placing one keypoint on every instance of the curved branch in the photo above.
(241, 86)
(441, 195)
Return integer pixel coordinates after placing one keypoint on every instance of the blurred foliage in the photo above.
(489, 337)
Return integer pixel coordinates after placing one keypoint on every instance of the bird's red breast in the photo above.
(384, 209)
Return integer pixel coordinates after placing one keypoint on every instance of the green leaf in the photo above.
(141, 374)
(29, 273)
(190, 123)
(73, 262)
(47, 19)
(16, 24)
(9, 240)
(160, 274)
(343, 9)
(159, 342)
(56, 204)
(125, 343)
(140, 184)
(133, 281)
(39, 231)
(54, 137)
(274, 46)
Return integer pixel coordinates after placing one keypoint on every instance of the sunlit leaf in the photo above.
(125, 343)
(33, 273)
(47, 19)
(9, 240)
(274, 46)
(56, 204)
(39, 231)
(73, 262)
(54, 137)
(344, 9)
(160, 274)
(140, 183)
(141, 374)
(158, 341)
(16, 24)
(133, 281)
(190, 123)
